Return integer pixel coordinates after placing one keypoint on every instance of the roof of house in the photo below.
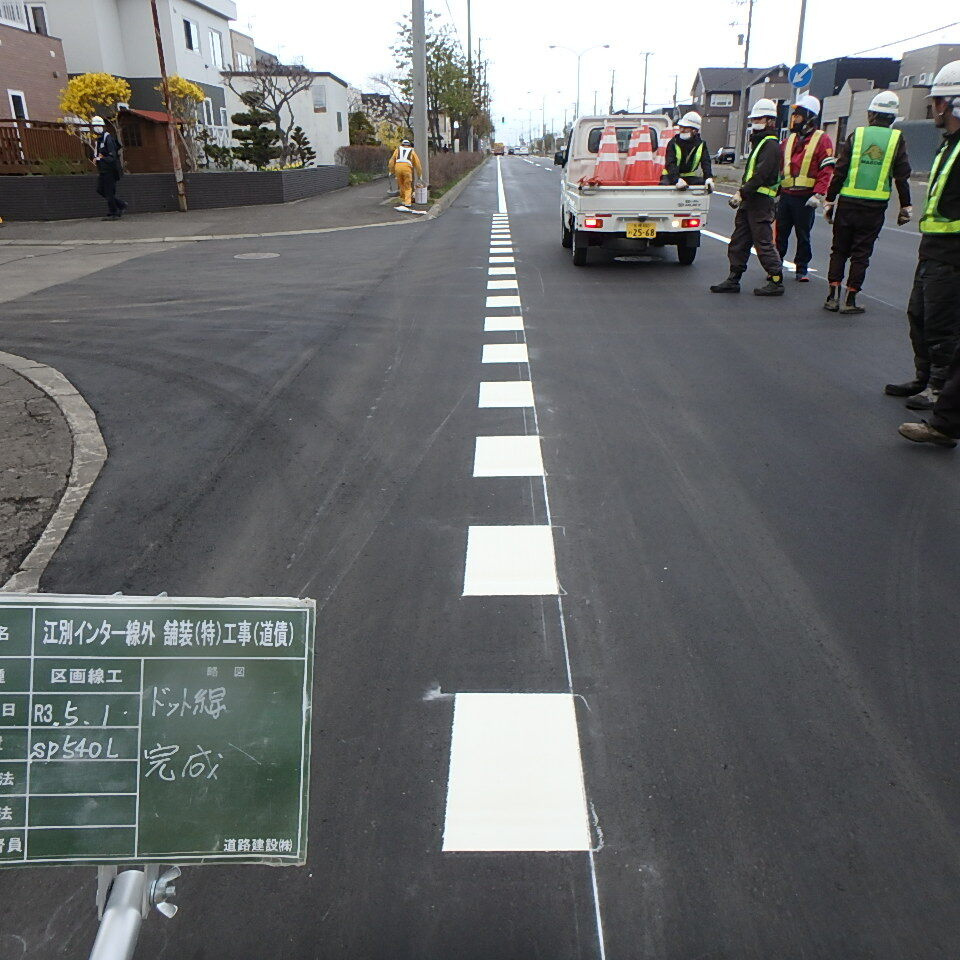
(154, 116)
(723, 79)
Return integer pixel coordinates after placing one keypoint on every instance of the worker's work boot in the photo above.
(923, 433)
(832, 303)
(730, 285)
(850, 304)
(911, 388)
(925, 399)
(801, 275)
(772, 288)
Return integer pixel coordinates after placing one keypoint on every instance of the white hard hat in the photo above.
(809, 103)
(97, 122)
(947, 81)
(763, 108)
(886, 101)
(691, 119)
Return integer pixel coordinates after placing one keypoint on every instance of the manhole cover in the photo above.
(256, 256)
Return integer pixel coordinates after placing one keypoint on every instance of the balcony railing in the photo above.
(14, 14)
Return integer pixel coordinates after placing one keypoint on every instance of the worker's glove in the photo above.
(735, 200)
(828, 209)
(904, 216)
(708, 183)
(814, 202)
(681, 184)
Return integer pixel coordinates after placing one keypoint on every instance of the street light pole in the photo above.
(646, 63)
(579, 54)
(171, 133)
(420, 135)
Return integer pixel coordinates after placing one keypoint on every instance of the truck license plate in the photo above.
(641, 231)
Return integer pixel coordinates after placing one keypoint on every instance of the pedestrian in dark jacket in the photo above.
(109, 167)
(755, 203)
(687, 161)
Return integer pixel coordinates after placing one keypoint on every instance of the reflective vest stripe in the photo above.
(752, 162)
(803, 178)
(871, 182)
(931, 221)
(403, 155)
(693, 161)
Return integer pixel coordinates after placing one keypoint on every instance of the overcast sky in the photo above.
(354, 43)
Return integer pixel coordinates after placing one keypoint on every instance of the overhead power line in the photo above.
(916, 36)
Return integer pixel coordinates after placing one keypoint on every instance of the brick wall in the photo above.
(26, 64)
(65, 198)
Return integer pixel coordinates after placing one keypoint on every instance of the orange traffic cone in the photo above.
(608, 172)
(642, 168)
(665, 137)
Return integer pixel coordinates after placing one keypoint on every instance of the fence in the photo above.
(26, 145)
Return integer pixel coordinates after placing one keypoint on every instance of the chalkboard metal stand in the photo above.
(123, 903)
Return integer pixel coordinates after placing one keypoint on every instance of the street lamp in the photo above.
(579, 55)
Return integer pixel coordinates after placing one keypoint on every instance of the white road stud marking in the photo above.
(496, 302)
(501, 243)
(501, 284)
(510, 561)
(502, 271)
(501, 324)
(494, 251)
(516, 775)
(508, 457)
(502, 260)
(504, 353)
(506, 393)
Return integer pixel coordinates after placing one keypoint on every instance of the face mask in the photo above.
(685, 136)
(757, 127)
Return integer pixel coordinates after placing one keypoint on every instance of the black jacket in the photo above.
(900, 169)
(672, 168)
(945, 247)
(108, 154)
(766, 172)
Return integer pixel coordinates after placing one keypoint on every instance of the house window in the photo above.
(38, 18)
(130, 134)
(244, 62)
(216, 48)
(191, 33)
(721, 99)
(319, 98)
(207, 112)
(223, 117)
(339, 122)
(18, 105)
(12, 12)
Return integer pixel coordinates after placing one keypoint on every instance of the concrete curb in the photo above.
(89, 456)
(454, 192)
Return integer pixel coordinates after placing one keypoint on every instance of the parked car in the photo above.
(725, 155)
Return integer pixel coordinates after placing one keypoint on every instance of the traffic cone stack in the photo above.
(642, 169)
(609, 171)
(665, 137)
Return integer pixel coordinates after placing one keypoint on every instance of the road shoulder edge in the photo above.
(454, 192)
(89, 456)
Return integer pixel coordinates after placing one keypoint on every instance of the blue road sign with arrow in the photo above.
(800, 74)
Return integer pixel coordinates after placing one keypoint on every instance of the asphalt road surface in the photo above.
(744, 600)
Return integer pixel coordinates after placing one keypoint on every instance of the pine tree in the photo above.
(258, 142)
(302, 151)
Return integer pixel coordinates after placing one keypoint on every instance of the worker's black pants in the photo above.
(856, 227)
(946, 411)
(934, 315)
(794, 214)
(753, 227)
(107, 188)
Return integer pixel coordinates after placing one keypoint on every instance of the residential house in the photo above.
(848, 109)
(33, 70)
(244, 52)
(715, 95)
(829, 76)
(117, 36)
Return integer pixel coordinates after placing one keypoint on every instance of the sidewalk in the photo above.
(35, 460)
(352, 206)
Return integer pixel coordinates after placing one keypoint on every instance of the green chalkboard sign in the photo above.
(139, 729)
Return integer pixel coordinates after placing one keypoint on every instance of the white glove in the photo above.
(814, 202)
(681, 184)
(735, 200)
(708, 183)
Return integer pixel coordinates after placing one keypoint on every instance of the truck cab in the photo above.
(628, 218)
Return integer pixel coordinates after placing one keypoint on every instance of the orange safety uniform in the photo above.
(403, 164)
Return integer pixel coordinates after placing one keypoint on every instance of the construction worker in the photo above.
(870, 158)
(688, 157)
(807, 158)
(403, 165)
(934, 309)
(754, 203)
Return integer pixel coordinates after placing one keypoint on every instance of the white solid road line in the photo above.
(789, 264)
(510, 561)
(501, 196)
(506, 393)
(502, 324)
(516, 775)
(498, 302)
(504, 353)
(508, 457)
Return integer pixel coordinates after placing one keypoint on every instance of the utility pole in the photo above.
(742, 123)
(803, 17)
(646, 62)
(613, 77)
(171, 133)
(675, 93)
(420, 133)
(595, 102)
(468, 140)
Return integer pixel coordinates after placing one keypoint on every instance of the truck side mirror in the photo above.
(558, 158)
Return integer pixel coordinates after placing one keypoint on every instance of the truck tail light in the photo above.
(693, 222)
(593, 222)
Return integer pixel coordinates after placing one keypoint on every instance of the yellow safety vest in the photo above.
(931, 221)
(803, 178)
(752, 162)
(865, 179)
(693, 161)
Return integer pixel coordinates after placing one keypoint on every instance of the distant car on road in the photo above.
(725, 155)
(524, 151)
(498, 149)
(510, 151)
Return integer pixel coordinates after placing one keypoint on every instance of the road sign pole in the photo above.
(803, 17)
(122, 917)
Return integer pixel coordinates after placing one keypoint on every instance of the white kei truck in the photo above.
(626, 219)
